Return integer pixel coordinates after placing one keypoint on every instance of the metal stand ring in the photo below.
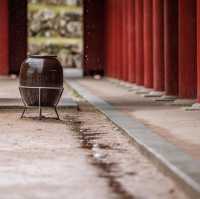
(39, 102)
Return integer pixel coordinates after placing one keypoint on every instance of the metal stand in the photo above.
(39, 101)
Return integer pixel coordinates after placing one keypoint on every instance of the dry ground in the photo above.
(82, 156)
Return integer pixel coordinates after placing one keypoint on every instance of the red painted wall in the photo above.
(4, 37)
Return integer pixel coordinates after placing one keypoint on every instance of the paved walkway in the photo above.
(10, 96)
(171, 122)
(154, 126)
(77, 158)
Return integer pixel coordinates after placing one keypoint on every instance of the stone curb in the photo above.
(10, 103)
(171, 160)
(65, 104)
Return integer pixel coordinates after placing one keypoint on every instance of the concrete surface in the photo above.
(172, 122)
(184, 163)
(77, 158)
(43, 160)
(10, 96)
(73, 72)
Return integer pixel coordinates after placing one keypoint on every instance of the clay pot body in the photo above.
(41, 71)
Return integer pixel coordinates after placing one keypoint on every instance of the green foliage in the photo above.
(56, 29)
(56, 8)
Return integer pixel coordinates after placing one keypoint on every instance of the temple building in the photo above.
(152, 43)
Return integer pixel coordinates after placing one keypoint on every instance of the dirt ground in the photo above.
(82, 156)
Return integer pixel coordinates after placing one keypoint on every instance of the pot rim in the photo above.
(42, 56)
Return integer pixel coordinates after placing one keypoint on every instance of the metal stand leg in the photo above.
(24, 110)
(40, 109)
(22, 115)
(55, 107)
(56, 111)
(39, 100)
(40, 116)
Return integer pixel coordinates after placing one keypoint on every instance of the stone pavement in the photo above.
(10, 96)
(76, 157)
(169, 134)
(178, 126)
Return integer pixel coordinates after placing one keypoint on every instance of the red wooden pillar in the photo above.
(121, 38)
(94, 49)
(110, 43)
(112, 16)
(126, 9)
(4, 38)
(187, 49)
(171, 46)
(131, 40)
(117, 28)
(124, 40)
(18, 33)
(198, 51)
(158, 45)
(139, 42)
(148, 44)
(113, 39)
(107, 68)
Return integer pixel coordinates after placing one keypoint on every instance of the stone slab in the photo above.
(166, 98)
(73, 72)
(154, 94)
(183, 102)
(14, 101)
(142, 92)
(194, 107)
